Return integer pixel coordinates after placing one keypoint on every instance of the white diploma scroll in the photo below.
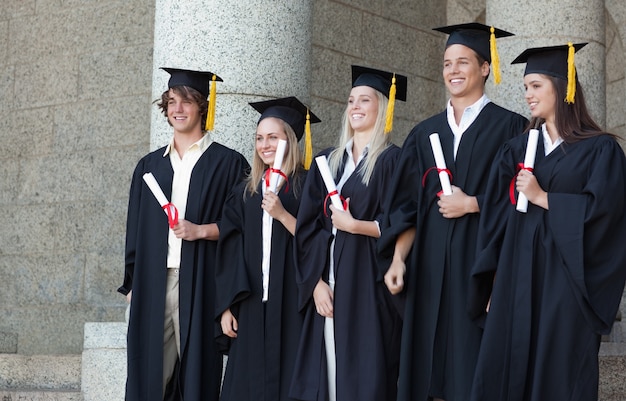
(170, 210)
(268, 220)
(278, 163)
(529, 163)
(156, 190)
(331, 187)
(440, 161)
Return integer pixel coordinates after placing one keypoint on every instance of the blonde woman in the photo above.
(349, 348)
(258, 313)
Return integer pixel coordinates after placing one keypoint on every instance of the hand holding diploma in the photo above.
(278, 163)
(440, 162)
(322, 165)
(529, 164)
(168, 208)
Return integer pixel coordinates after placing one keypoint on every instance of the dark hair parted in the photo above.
(572, 120)
(185, 92)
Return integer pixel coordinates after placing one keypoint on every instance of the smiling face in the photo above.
(463, 75)
(362, 108)
(183, 113)
(268, 132)
(540, 96)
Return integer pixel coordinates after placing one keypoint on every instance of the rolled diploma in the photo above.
(322, 165)
(529, 162)
(278, 163)
(440, 161)
(267, 219)
(156, 189)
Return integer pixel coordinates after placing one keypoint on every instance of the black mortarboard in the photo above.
(550, 60)
(379, 80)
(199, 80)
(288, 109)
(473, 35)
(202, 81)
(555, 61)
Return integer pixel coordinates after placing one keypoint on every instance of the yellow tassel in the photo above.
(390, 105)
(308, 143)
(210, 118)
(495, 57)
(571, 75)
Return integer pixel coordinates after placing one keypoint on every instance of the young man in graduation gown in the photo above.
(169, 277)
(428, 239)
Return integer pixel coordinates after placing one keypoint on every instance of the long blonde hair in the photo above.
(379, 141)
(291, 162)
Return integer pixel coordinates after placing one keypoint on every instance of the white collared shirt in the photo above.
(180, 189)
(548, 146)
(469, 116)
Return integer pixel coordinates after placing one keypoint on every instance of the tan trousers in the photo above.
(171, 328)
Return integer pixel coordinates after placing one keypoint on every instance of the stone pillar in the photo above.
(103, 370)
(547, 23)
(261, 48)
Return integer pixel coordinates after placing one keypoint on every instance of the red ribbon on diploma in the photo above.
(520, 167)
(335, 192)
(172, 214)
(268, 175)
(439, 170)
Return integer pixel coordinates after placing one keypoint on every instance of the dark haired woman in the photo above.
(550, 280)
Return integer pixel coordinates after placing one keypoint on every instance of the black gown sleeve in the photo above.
(132, 223)
(590, 229)
(401, 201)
(231, 276)
(313, 236)
(493, 218)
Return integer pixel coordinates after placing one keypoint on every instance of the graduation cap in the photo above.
(202, 81)
(390, 84)
(480, 38)
(296, 114)
(556, 61)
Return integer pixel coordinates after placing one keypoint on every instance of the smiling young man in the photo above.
(169, 277)
(429, 239)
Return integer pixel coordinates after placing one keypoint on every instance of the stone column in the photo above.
(261, 48)
(103, 367)
(547, 23)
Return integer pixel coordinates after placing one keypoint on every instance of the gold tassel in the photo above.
(308, 143)
(571, 74)
(210, 118)
(390, 105)
(495, 57)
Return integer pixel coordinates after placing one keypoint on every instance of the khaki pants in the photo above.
(171, 328)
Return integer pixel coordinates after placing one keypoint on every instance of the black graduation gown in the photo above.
(367, 326)
(261, 358)
(559, 273)
(215, 173)
(439, 341)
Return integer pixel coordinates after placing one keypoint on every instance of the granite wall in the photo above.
(76, 81)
